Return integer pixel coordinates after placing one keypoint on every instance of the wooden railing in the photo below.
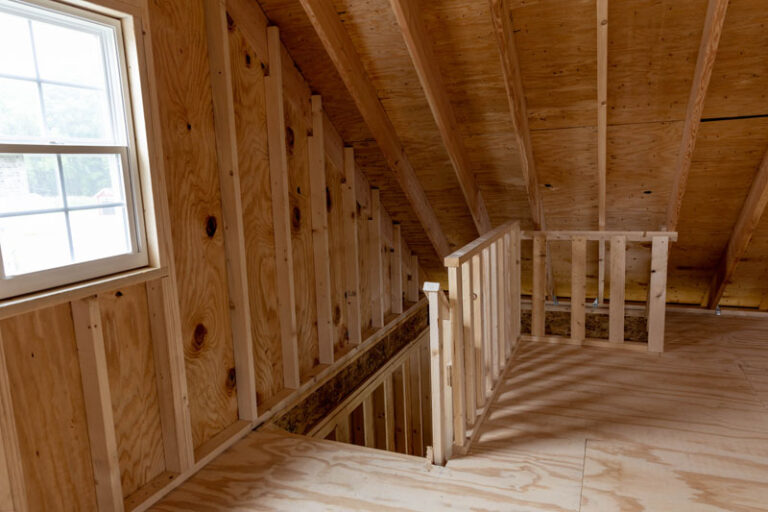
(391, 410)
(472, 332)
(657, 294)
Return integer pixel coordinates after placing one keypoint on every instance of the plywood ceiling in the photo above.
(652, 52)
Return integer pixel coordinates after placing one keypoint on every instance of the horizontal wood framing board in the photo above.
(632, 236)
(326, 395)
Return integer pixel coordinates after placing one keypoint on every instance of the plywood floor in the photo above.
(572, 429)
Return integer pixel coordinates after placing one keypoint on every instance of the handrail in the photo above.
(631, 236)
(474, 247)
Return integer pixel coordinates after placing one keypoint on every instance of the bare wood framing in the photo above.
(749, 217)
(369, 425)
(377, 263)
(424, 61)
(231, 205)
(10, 439)
(389, 412)
(278, 171)
(517, 106)
(320, 245)
(631, 236)
(710, 40)
(618, 277)
(397, 270)
(476, 285)
(485, 276)
(578, 287)
(455, 296)
(492, 270)
(602, 108)
(516, 284)
(341, 50)
(538, 312)
(413, 284)
(440, 436)
(352, 261)
(468, 320)
(91, 353)
(657, 298)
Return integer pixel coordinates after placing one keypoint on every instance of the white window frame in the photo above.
(50, 278)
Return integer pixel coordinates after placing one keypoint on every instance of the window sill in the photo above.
(39, 300)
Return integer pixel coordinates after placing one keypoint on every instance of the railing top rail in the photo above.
(632, 236)
(459, 256)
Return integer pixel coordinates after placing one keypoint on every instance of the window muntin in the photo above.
(70, 207)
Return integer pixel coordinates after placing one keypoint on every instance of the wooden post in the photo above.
(578, 287)
(171, 380)
(369, 431)
(320, 245)
(469, 346)
(86, 319)
(397, 270)
(342, 429)
(10, 440)
(417, 409)
(618, 273)
(377, 263)
(231, 206)
(455, 296)
(278, 175)
(539, 283)
(389, 412)
(501, 299)
(492, 271)
(658, 294)
(507, 280)
(485, 275)
(476, 280)
(405, 371)
(516, 285)
(351, 261)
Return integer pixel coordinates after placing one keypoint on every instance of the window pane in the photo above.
(73, 113)
(99, 233)
(14, 33)
(92, 179)
(67, 55)
(19, 110)
(28, 183)
(34, 242)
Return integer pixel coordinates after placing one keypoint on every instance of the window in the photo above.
(70, 206)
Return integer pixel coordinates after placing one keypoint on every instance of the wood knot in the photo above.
(198, 338)
(230, 23)
(211, 224)
(118, 294)
(336, 315)
(296, 218)
(289, 139)
(247, 60)
(328, 201)
(231, 379)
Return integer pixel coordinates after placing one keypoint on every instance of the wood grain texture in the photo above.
(186, 117)
(133, 385)
(253, 160)
(47, 393)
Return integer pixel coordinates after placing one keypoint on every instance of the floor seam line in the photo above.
(583, 471)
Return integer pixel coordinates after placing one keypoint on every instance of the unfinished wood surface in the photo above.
(376, 261)
(618, 277)
(352, 248)
(710, 39)
(417, 406)
(417, 39)
(396, 270)
(485, 265)
(468, 323)
(278, 171)
(389, 413)
(458, 374)
(657, 295)
(320, 244)
(86, 319)
(539, 284)
(503, 313)
(602, 110)
(494, 340)
(56, 461)
(133, 385)
(478, 319)
(250, 109)
(13, 488)
(749, 217)
(347, 62)
(516, 290)
(186, 117)
(578, 287)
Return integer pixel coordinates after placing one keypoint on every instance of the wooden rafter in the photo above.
(517, 107)
(710, 40)
(425, 62)
(345, 58)
(750, 215)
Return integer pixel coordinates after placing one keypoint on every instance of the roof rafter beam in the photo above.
(710, 40)
(341, 50)
(516, 95)
(745, 226)
(425, 62)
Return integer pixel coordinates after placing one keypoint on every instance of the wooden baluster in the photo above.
(469, 352)
(658, 295)
(578, 287)
(369, 425)
(437, 380)
(501, 303)
(618, 276)
(455, 296)
(516, 286)
(389, 412)
(539, 284)
(485, 275)
(494, 300)
(477, 328)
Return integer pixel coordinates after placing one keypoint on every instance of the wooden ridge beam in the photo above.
(710, 40)
(517, 106)
(745, 226)
(348, 64)
(425, 62)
